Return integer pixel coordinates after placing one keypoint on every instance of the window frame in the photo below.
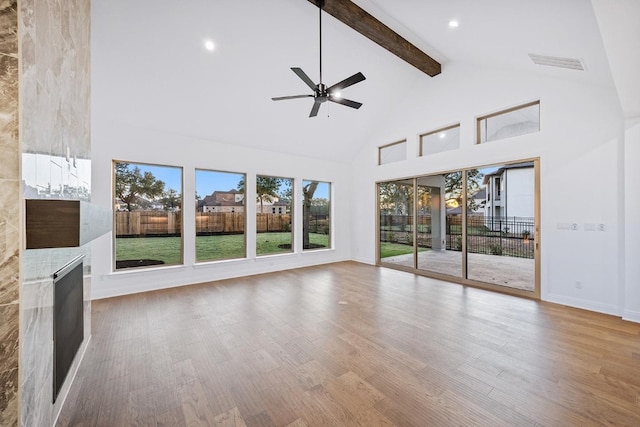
(244, 233)
(499, 113)
(382, 147)
(330, 214)
(426, 134)
(114, 234)
(291, 215)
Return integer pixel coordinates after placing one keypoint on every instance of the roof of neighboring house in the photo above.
(480, 194)
(500, 171)
(222, 198)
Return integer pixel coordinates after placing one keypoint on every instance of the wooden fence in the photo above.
(162, 223)
(148, 223)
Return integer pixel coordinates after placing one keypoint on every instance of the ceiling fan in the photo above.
(322, 93)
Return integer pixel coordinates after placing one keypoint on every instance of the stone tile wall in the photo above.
(55, 146)
(9, 214)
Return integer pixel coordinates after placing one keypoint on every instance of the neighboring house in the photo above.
(479, 199)
(140, 204)
(275, 206)
(223, 201)
(510, 192)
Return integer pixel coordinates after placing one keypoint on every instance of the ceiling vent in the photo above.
(554, 61)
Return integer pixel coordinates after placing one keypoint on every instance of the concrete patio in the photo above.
(499, 270)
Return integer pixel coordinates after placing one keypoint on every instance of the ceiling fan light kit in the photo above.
(322, 93)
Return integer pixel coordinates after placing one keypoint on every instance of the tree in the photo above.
(319, 206)
(266, 189)
(453, 186)
(171, 200)
(285, 193)
(396, 198)
(130, 184)
(307, 192)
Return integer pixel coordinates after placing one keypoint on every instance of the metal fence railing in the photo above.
(508, 236)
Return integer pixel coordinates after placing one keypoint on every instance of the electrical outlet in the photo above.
(574, 226)
(601, 227)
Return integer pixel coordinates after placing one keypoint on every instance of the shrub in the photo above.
(495, 249)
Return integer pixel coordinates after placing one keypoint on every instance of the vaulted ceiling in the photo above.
(151, 69)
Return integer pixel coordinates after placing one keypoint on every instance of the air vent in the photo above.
(554, 61)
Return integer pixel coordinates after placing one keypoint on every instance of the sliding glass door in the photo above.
(476, 226)
(395, 207)
(501, 224)
(439, 244)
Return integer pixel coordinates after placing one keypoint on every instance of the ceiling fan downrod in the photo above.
(322, 93)
(320, 6)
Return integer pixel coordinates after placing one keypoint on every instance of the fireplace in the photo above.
(68, 319)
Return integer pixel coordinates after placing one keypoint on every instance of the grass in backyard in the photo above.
(392, 249)
(208, 248)
(269, 243)
(213, 248)
(165, 249)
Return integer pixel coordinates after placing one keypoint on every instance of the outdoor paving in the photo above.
(506, 271)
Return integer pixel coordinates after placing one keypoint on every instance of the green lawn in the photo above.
(392, 249)
(166, 249)
(208, 248)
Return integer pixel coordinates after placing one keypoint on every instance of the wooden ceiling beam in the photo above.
(360, 20)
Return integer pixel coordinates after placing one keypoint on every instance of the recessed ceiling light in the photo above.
(453, 24)
(208, 44)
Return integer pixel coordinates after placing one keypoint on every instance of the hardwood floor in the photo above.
(351, 344)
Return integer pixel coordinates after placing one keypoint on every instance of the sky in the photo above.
(208, 181)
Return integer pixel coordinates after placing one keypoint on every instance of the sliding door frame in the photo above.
(535, 294)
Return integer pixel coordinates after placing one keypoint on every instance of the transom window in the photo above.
(440, 140)
(394, 152)
(508, 123)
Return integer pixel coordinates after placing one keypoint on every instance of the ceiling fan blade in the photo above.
(347, 102)
(349, 81)
(280, 98)
(314, 109)
(304, 77)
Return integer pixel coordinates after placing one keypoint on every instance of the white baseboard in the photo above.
(631, 316)
(583, 304)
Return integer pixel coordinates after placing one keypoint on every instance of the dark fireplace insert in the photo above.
(68, 319)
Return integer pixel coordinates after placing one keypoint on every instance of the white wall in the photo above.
(632, 221)
(578, 145)
(118, 141)
(618, 23)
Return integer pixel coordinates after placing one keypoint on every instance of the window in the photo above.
(148, 215)
(392, 152)
(316, 212)
(220, 215)
(509, 123)
(440, 140)
(274, 196)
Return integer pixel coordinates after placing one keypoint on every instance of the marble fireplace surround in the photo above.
(55, 163)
